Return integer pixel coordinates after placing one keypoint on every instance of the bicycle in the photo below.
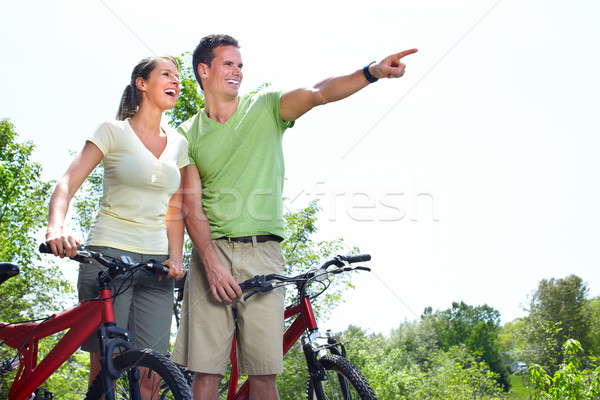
(124, 370)
(331, 376)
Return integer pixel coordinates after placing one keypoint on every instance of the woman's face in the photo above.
(162, 87)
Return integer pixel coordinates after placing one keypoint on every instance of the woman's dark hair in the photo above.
(204, 52)
(130, 101)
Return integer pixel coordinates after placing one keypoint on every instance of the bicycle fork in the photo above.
(107, 350)
(311, 351)
(317, 373)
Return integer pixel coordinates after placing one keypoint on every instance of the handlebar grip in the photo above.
(358, 258)
(45, 249)
(155, 266)
(252, 282)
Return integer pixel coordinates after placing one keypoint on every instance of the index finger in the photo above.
(405, 53)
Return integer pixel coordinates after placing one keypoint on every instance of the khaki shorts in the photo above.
(207, 327)
(145, 308)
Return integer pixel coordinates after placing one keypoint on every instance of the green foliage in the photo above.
(594, 310)
(416, 339)
(69, 382)
(302, 253)
(87, 201)
(394, 372)
(23, 212)
(22, 197)
(190, 101)
(292, 383)
(39, 289)
(577, 377)
(509, 333)
(558, 310)
(475, 327)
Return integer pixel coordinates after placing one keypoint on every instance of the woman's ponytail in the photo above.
(131, 98)
(129, 105)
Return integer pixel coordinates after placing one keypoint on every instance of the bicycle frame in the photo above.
(305, 320)
(81, 321)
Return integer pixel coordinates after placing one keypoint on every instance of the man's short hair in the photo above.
(205, 51)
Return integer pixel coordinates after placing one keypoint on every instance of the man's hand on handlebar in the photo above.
(221, 282)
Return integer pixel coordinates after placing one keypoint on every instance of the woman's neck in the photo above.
(146, 122)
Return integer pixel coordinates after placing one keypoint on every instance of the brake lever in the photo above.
(252, 293)
(350, 268)
(259, 281)
(270, 286)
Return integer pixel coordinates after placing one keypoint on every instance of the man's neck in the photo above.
(220, 110)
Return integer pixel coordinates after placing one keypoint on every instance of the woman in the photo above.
(140, 214)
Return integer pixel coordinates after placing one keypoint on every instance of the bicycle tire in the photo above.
(172, 384)
(344, 381)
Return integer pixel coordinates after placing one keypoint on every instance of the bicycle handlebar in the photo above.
(116, 266)
(264, 283)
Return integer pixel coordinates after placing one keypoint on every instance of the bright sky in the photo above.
(470, 179)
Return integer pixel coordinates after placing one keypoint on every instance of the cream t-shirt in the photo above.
(136, 190)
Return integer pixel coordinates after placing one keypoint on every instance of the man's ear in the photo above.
(202, 70)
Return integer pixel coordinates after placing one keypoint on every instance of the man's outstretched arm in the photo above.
(296, 103)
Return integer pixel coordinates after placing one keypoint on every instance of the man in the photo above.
(233, 206)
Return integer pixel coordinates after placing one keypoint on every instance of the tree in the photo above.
(394, 373)
(594, 307)
(190, 101)
(39, 289)
(558, 311)
(573, 379)
(512, 341)
(475, 327)
(23, 212)
(302, 253)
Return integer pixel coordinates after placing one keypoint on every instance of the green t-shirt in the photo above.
(241, 166)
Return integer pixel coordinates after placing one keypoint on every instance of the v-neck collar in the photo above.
(231, 117)
(132, 132)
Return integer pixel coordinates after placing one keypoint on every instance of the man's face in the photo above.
(225, 73)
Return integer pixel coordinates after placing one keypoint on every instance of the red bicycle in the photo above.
(331, 375)
(125, 372)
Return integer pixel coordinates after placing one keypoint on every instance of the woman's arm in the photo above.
(175, 226)
(66, 245)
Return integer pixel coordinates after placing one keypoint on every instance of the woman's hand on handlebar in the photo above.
(62, 245)
(176, 269)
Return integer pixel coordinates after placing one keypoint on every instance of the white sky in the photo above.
(470, 179)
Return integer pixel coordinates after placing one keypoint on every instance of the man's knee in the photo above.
(206, 380)
(263, 387)
(263, 380)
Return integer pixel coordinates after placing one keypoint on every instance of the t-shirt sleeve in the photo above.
(184, 159)
(273, 101)
(184, 130)
(103, 137)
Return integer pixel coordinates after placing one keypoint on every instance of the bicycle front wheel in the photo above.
(150, 373)
(342, 381)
